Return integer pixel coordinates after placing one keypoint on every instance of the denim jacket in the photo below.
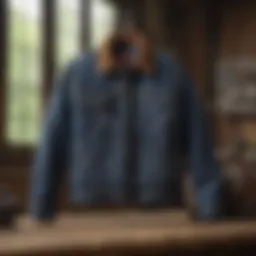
(86, 132)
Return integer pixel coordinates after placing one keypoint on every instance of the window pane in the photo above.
(67, 34)
(103, 20)
(24, 71)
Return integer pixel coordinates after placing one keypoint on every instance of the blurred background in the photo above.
(214, 40)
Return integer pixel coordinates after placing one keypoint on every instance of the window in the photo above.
(23, 71)
(67, 31)
(42, 37)
(103, 20)
(24, 80)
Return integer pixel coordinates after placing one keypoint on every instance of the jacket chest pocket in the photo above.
(97, 105)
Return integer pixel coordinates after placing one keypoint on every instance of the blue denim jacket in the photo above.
(86, 132)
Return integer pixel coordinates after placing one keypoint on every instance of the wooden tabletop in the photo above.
(130, 228)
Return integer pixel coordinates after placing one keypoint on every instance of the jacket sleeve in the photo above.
(51, 155)
(198, 147)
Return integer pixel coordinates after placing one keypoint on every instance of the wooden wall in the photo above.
(238, 39)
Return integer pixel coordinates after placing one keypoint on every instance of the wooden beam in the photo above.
(3, 65)
(213, 26)
(85, 21)
(49, 45)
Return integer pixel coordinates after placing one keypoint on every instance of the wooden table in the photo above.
(121, 233)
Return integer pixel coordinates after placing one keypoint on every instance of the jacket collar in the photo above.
(145, 63)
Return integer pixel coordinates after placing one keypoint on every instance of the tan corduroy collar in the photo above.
(145, 63)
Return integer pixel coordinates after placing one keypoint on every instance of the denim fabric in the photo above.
(86, 132)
